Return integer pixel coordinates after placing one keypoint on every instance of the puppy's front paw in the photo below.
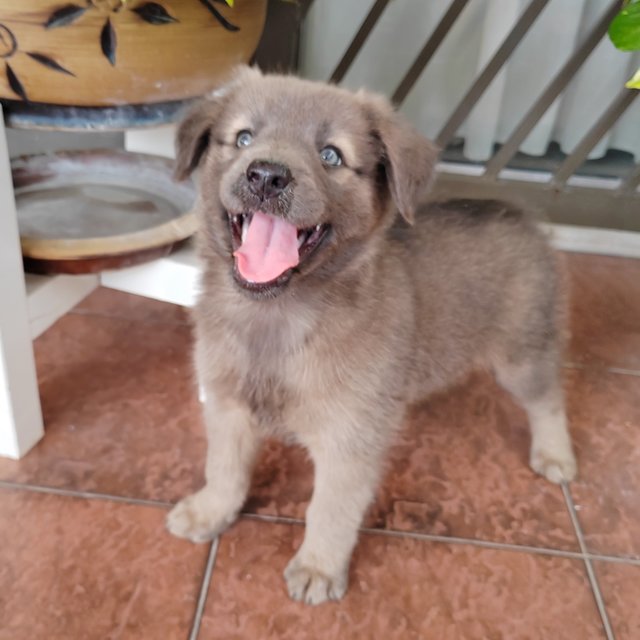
(197, 518)
(312, 586)
(555, 466)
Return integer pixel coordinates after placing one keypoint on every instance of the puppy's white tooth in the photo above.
(318, 226)
(301, 238)
(245, 228)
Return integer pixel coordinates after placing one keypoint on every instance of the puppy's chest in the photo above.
(274, 373)
(268, 396)
(275, 391)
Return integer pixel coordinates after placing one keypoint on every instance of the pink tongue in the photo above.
(269, 249)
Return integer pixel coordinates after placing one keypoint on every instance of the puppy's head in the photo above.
(297, 177)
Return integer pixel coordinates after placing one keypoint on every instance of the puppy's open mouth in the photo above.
(267, 249)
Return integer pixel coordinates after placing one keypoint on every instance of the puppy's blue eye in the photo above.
(244, 138)
(331, 156)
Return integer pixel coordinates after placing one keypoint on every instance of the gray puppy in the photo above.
(323, 316)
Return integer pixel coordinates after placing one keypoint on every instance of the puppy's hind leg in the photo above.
(535, 382)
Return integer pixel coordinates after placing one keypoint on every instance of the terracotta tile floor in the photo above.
(463, 541)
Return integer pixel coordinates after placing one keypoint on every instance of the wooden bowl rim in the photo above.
(172, 231)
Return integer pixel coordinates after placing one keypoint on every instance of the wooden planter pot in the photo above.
(107, 53)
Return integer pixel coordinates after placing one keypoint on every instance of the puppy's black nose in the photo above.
(267, 179)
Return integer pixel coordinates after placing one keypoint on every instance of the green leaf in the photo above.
(624, 29)
(634, 83)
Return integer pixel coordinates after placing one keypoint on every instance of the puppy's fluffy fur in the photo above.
(381, 313)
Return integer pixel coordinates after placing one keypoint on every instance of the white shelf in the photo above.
(174, 278)
(50, 297)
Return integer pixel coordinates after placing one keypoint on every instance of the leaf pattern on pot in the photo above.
(109, 42)
(218, 16)
(64, 16)
(8, 42)
(48, 62)
(14, 83)
(154, 13)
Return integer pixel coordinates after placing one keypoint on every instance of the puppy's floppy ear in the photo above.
(407, 156)
(195, 130)
(193, 136)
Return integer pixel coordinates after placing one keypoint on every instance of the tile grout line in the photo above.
(623, 372)
(264, 517)
(502, 546)
(485, 544)
(261, 517)
(204, 590)
(430, 537)
(600, 557)
(475, 542)
(617, 370)
(593, 580)
(89, 495)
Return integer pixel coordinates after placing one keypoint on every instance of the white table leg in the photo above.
(20, 415)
